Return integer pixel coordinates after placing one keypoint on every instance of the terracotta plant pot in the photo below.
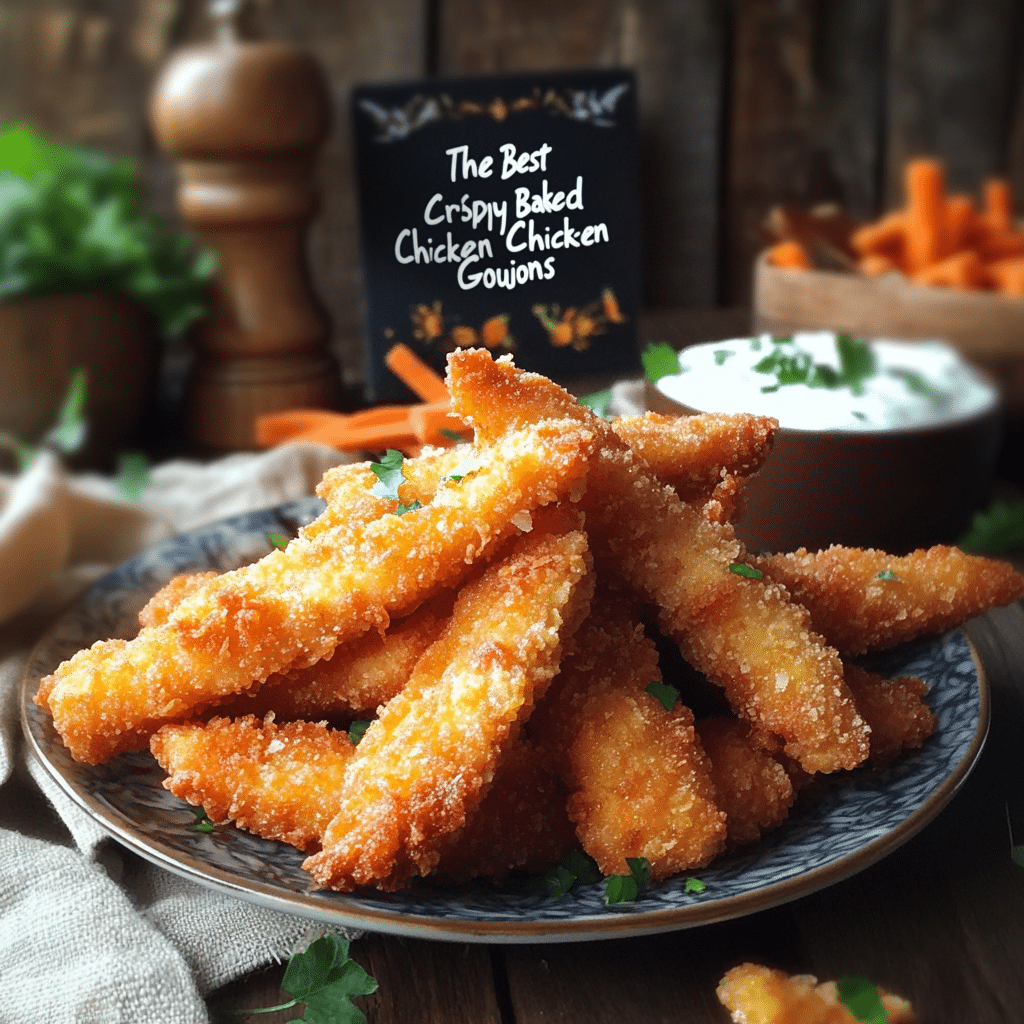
(44, 339)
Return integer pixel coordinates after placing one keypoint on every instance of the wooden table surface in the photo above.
(940, 921)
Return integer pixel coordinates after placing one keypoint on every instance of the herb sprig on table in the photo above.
(323, 978)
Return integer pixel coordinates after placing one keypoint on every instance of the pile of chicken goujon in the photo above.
(497, 612)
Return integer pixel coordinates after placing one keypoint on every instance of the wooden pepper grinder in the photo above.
(245, 119)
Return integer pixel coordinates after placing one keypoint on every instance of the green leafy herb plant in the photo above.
(72, 220)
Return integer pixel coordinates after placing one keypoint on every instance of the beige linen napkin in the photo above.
(89, 931)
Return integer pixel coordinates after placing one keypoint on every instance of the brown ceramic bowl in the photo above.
(896, 489)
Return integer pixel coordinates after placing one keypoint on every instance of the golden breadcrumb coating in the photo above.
(521, 822)
(424, 765)
(759, 995)
(354, 681)
(896, 710)
(693, 453)
(858, 610)
(638, 777)
(342, 575)
(744, 634)
(752, 787)
(275, 780)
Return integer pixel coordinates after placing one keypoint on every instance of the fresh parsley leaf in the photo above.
(389, 478)
(626, 888)
(998, 530)
(857, 361)
(575, 868)
(68, 433)
(133, 475)
(888, 574)
(659, 360)
(276, 539)
(203, 823)
(357, 729)
(695, 885)
(721, 355)
(750, 571)
(861, 998)
(915, 382)
(599, 401)
(325, 978)
(668, 695)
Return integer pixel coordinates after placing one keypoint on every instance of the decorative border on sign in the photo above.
(583, 105)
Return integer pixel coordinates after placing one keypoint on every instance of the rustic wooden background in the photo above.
(743, 104)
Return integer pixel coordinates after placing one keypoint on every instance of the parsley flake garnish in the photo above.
(861, 998)
(389, 478)
(357, 729)
(575, 868)
(888, 574)
(276, 539)
(203, 823)
(695, 885)
(659, 360)
(750, 571)
(599, 401)
(626, 888)
(668, 695)
(857, 362)
(721, 355)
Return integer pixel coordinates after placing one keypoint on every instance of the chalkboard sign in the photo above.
(501, 212)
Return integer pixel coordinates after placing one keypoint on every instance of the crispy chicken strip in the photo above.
(354, 681)
(521, 822)
(342, 575)
(424, 765)
(759, 995)
(752, 787)
(159, 607)
(275, 780)
(894, 708)
(693, 453)
(858, 606)
(638, 777)
(744, 634)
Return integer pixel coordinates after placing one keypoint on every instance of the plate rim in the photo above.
(613, 923)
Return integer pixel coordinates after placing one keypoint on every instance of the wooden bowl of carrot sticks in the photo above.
(943, 267)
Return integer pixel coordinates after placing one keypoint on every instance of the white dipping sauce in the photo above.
(879, 385)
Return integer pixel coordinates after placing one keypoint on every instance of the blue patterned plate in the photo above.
(840, 828)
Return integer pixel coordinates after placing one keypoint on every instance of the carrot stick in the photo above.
(415, 374)
(884, 237)
(998, 204)
(925, 185)
(961, 223)
(275, 428)
(1007, 276)
(961, 270)
(874, 264)
(790, 254)
(433, 423)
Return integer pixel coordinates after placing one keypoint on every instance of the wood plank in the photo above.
(952, 86)
(941, 921)
(804, 119)
(678, 53)
(424, 982)
(82, 72)
(659, 979)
